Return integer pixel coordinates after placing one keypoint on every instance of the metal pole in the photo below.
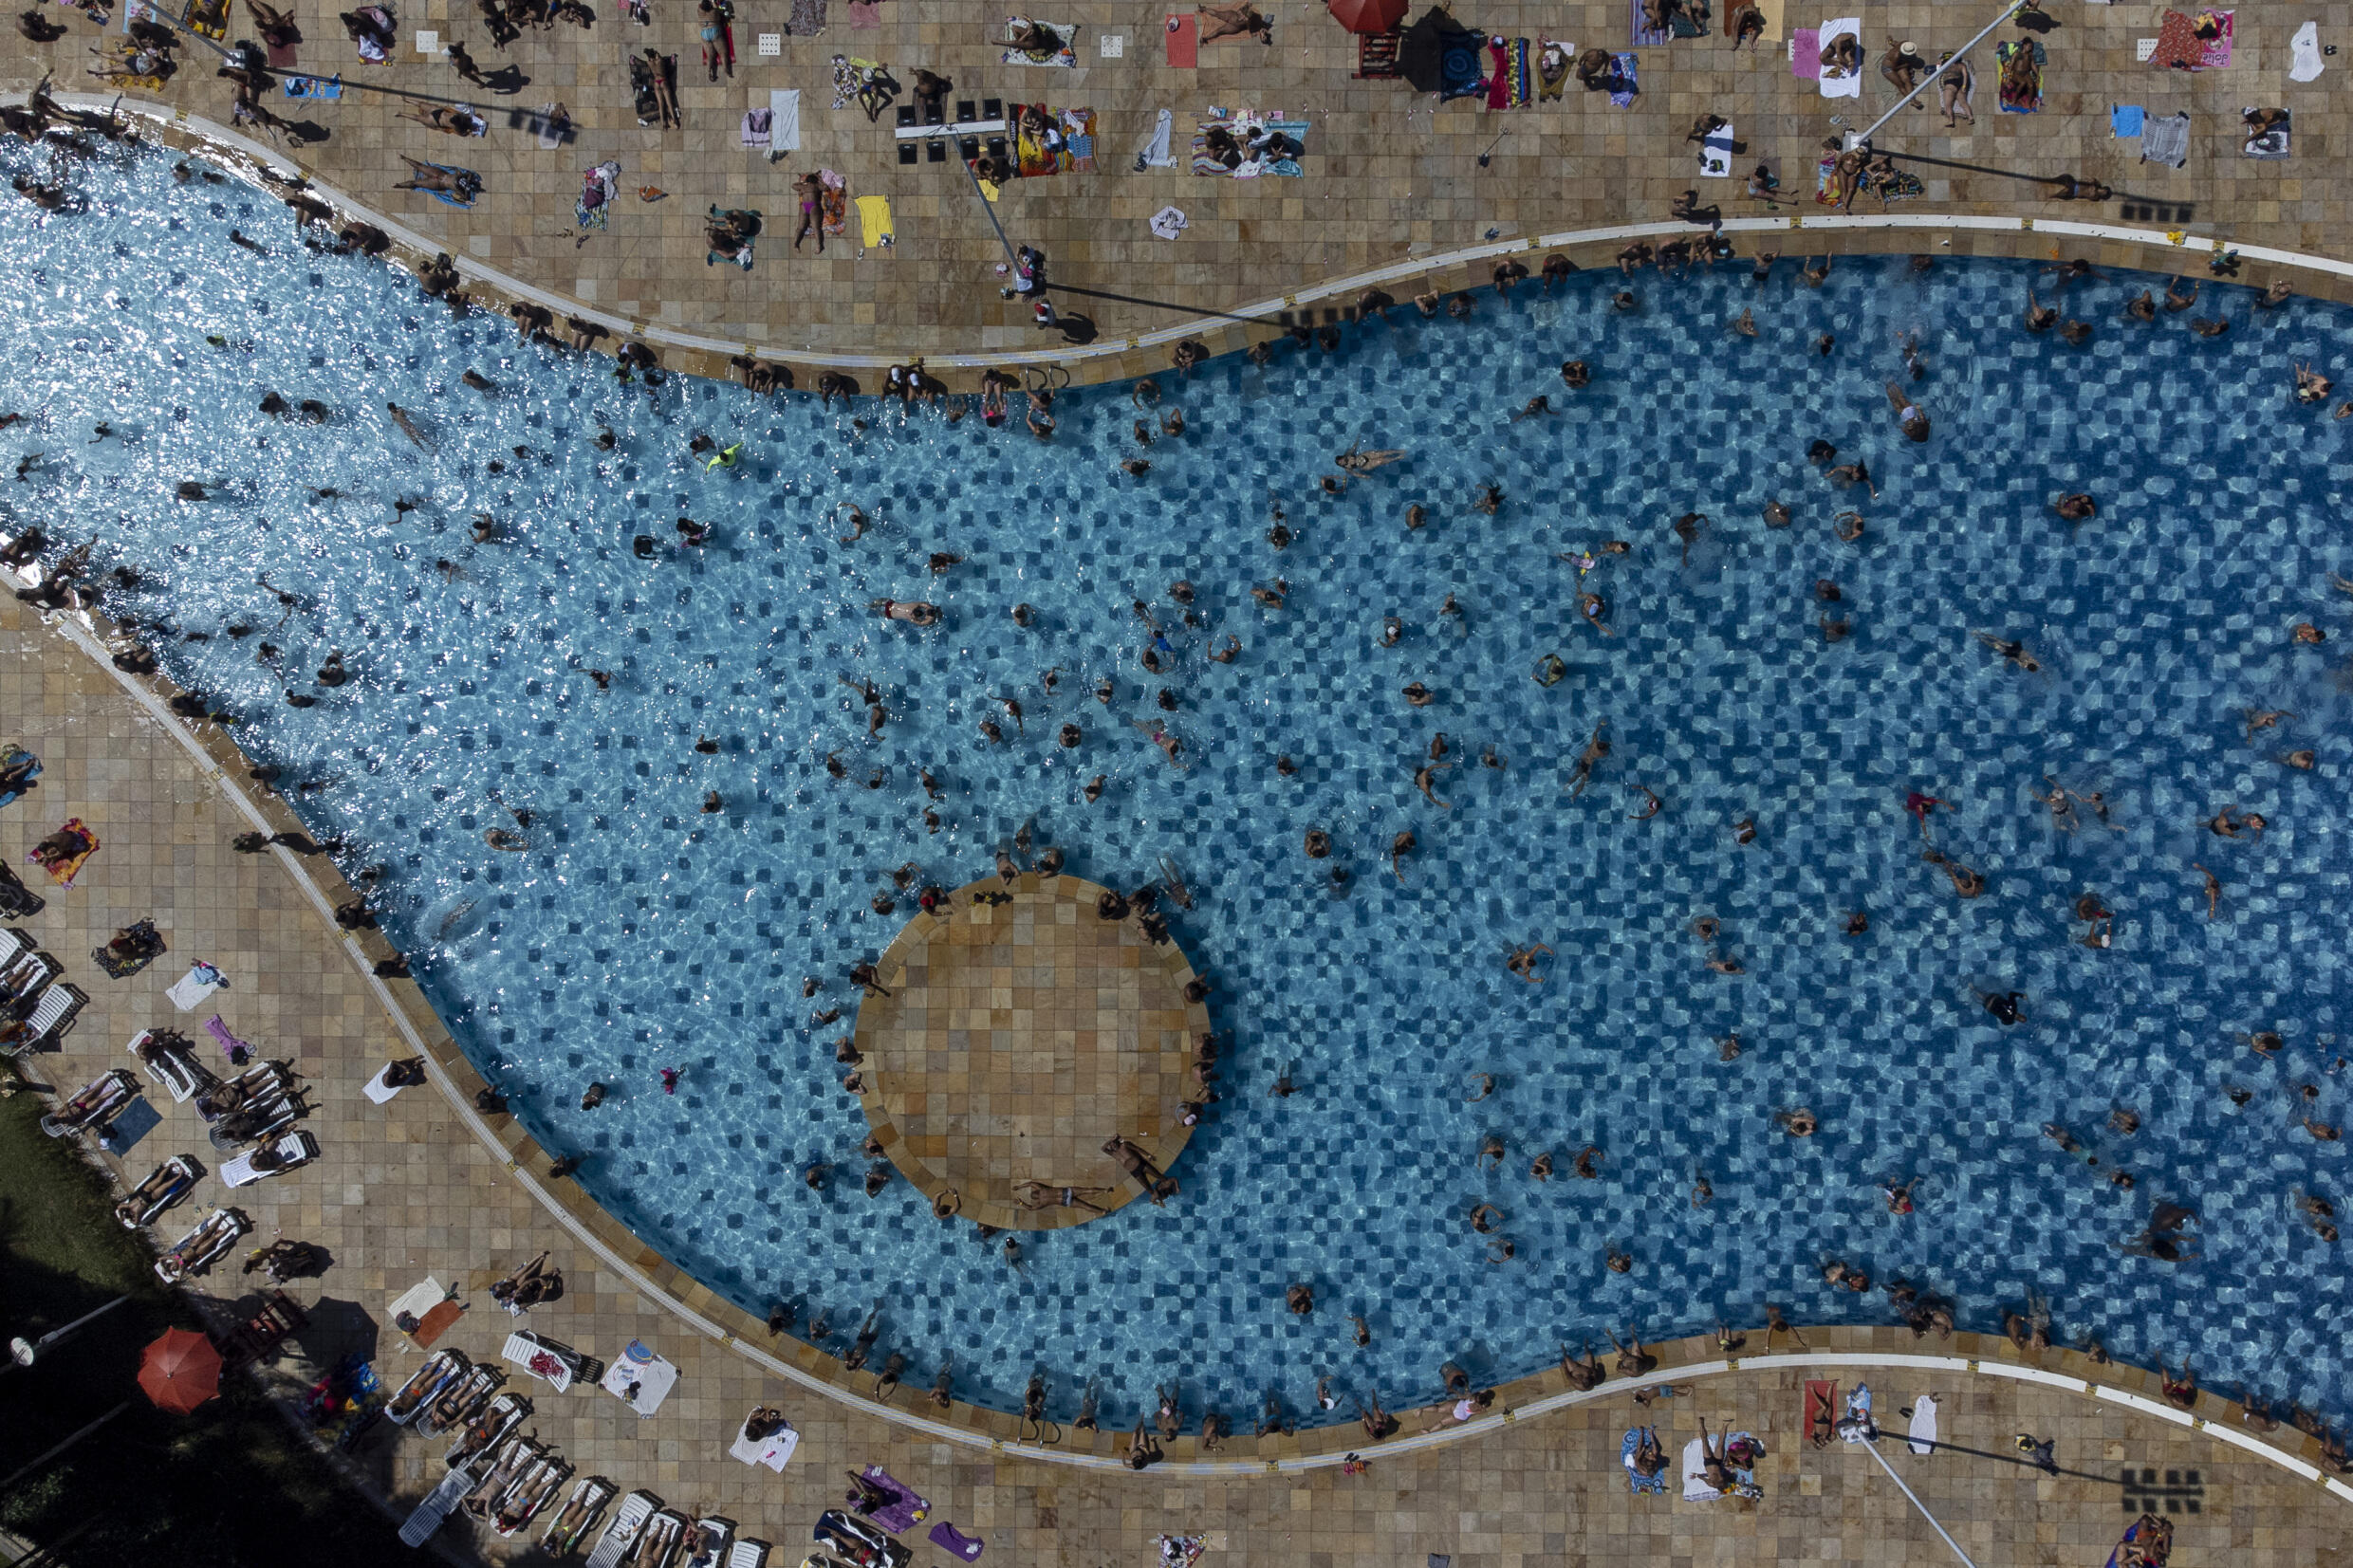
(1858, 138)
(1873, 1447)
(23, 1353)
(63, 1447)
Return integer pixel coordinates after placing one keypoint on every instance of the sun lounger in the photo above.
(536, 1489)
(628, 1520)
(259, 1123)
(28, 971)
(550, 1360)
(438, 1505)
(716, 1536)
(14, 944)
(276, 1320)
(164, 1056)
(865, 1544)
(52, 1017)
(748, 1554)
(516, 1455)
(263, 1081)
(197, 1252)
(658, 1543)
(97, 1104)
(294, 1150)
(165, 1186)
(455, 1404)
(570, 1527)
(440, 1369)
(483, 1433)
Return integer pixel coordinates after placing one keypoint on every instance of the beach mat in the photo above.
(1184, 42)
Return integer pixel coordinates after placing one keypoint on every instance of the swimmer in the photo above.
(1522, 963)
(1776, 515)
(1575, 375)
(1414, 517)
(2014, 652)
(1913, 422)
(1534, 407)
(1651, 808)
(1425, 779)
(2039, 317)
(1356, 461)
(1596, 750)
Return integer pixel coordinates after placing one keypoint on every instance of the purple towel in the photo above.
(237, 1050)
(905, 1507)
(947, 1536)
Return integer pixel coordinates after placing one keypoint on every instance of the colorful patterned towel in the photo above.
(2022, 85)
(1643, 37)
(1636, 1481)
(1623, 82)
(1245, 127)
(2179, 47)
(1514, 67)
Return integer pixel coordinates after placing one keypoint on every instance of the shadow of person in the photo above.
(39, 27)
(1078, 330)
(505, 79)
(304, 133)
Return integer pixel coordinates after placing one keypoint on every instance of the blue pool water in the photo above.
(640, 934)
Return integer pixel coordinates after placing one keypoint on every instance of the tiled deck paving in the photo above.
(1015, 1038)
(406, 1190)
(1389, 174)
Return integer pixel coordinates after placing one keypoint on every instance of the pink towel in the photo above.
(1184, 40)
(1499, 85)
(1805, 53)
(865, 13)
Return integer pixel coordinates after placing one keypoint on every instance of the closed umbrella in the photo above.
(1368, 15)
(180, 1371)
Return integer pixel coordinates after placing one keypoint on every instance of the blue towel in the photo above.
(1635, 1481)
(314, 87)
(1622, 83)
(2126, 118)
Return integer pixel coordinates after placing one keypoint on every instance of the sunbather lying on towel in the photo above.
(431, 177)
(1033, 38)
(1239, 20)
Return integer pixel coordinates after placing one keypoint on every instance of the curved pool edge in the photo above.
(1524, 1399)
(1232, 329)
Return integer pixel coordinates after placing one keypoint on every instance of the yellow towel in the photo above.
(874, 215)
(1772, 18)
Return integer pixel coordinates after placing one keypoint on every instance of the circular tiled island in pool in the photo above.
(1017, 1034)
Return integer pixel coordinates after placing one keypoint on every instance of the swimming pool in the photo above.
(639, 932)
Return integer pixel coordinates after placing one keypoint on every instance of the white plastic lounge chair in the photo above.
(94, 1106)
(295, 1149)
(658, 1543)
(528, 1495)
(197, 1252)
(570, 1527)
(483, 1433)
(261, 1082)
(718, 1535)
(58, 1006)
(14, 945)
(748, 1554)
(627, 1522)
(28, 971)
(456, 1403)
(440, 1369)
(549, 1360)
(438, 1505)
(166, 1062)
(165, 1186)
(516, 1455)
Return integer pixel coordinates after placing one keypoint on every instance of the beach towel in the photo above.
(1716, 152)
(1820, 1409)
(640, 1379)
(2305, 49)
(599, 186)
(874, 222)
(833, 201)
(63, 872)
(755, 129)
(1078, 137)
(1266, 146)
(1154, 153)
(1459, 72)
(1555, 63)
(1066, 57)
(1643, 37)
(1037, 151)
(1772, 18)
(550, 130)
(189, 989)
(2026, 97)
(1636, 1481)
(808, 18)
(469, 187)
(906, 1511)
(1624, 82)
(1856, 1426)
(784, 119)
(1691, 22)
(2271, 145)
(774, 1450)
(237, 1050)
(281, 56)
(1513, 78)
(1184, 40)
(2125, 120)
(1923, 1433)
(1825, 180)
(1744, 1482)
(865, 13)
(16, 756)
(1695, 1487)
(1848, 84)
(949, 1538)
(2179, 47)
(1805, 53)
(1168, 222)
(2166, 140)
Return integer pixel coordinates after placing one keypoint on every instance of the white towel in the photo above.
(190, 990)
(1924, 1423)
(784, 113)
(1849, 85)
(1715, 153)
(1695, 1487)
(755, 131)
(1168, 222)
(2306, 47)
(376, 1089)
(1154, 154)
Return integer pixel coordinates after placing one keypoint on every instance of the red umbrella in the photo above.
(180, 1371)
(1369, 15)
